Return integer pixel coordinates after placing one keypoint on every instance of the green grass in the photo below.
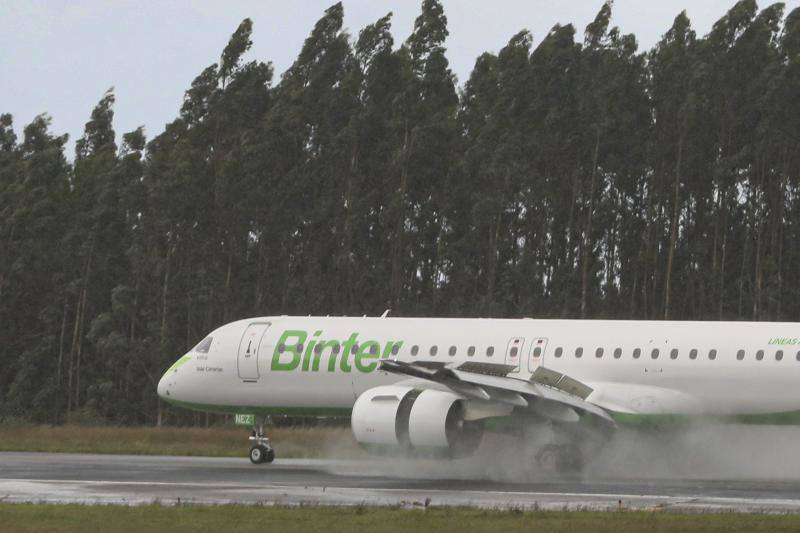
(213, 442)
(67, 518)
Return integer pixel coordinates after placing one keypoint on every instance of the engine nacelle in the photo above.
(380, 415)
(412, 418)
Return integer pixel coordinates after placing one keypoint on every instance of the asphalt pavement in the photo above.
(104, 479)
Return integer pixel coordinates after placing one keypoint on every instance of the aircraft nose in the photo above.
(163, 386)
(166, 384)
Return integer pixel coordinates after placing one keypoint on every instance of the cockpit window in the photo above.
(204, 346)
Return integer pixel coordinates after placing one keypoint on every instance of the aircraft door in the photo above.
(247, 360)
(514, 352)
(536, 359)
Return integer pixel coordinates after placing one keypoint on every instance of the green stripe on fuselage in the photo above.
(234, 409)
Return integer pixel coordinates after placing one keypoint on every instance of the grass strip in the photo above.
(112, 518)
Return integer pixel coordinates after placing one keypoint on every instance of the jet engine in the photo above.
(409, 418)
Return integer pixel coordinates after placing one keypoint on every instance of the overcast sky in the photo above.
(60, 56)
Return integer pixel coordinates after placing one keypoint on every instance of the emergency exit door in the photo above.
(514, 352)
(536, 358)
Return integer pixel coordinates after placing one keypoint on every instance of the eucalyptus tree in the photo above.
(424, 127)
(674, 98)
(33, 200)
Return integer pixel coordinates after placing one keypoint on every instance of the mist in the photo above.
(699, 450)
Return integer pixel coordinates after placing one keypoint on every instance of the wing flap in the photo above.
(489, 369)
(557, 380)
(503, 389)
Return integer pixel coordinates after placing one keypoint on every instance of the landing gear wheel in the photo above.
(258, 454)
(547, 458)
(261, 451)
(560, 458)
(269, 456)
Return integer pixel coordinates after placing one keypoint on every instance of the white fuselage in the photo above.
(291, 364)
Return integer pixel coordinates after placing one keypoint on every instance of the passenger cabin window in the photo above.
(740, 355)
(452, 351)
(434, 349)
(300, 348)
(637, 353)
(204, 346)
(414, 350)
(797, 356)
(373, 349)
(617, 353)
(490, 351)
(654, 353)
(354, 349)
(598, 353)
(579, 352)
(712, 354)
(318, 349)
(537, 351)
(693, 353)
(560, 351)
(471, 351)
(282, 348)
(673, 354)
(395, 349)
(779, 355)
(337, 348)
(760, 355)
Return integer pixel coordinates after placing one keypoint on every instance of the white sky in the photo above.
(59, 56)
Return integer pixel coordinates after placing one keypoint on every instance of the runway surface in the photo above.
(59, 478)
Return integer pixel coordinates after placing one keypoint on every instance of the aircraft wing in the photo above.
(550, 393)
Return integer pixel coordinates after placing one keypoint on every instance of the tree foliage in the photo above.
(565, 178)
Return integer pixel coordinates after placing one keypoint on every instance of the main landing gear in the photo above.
(560, 458)
(562, 448)
(261, 451)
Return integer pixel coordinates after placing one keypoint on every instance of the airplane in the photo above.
(438, 384)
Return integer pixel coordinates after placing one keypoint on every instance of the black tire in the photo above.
(548, 459)
(560, 459)
(269, 455)
(257, 454)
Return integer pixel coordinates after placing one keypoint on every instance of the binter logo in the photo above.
(297, 350)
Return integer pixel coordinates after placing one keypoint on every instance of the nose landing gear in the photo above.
(261, 451)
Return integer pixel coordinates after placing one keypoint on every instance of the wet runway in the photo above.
(40, 477)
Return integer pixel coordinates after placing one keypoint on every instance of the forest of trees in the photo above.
(570, 177)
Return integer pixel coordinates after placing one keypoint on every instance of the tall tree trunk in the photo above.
(134, 312)
(587, 238)
(758, 214)
(72, 349)
(491, 267)
(743, 264)
(346, 264)
(569, 254)
(82, 324)
(61, 336)
(226, 309)
(398, 242)
(73, 371)
(673, 232)
(722, 275)
(188, 321)
(164, 292)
